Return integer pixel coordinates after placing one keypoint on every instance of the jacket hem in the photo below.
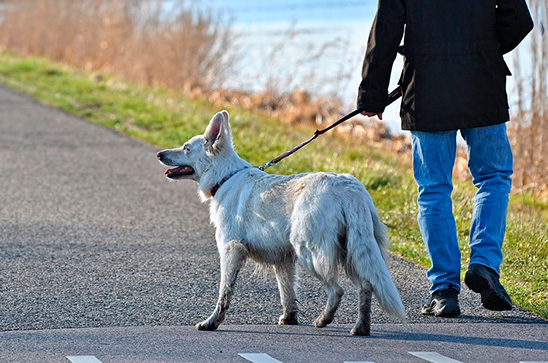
(409, 126)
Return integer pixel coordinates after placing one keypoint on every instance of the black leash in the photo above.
(394, 95)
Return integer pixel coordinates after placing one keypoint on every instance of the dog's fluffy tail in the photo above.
(366, 250)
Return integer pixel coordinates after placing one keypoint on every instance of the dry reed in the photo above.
(170, 44)
(529, 132)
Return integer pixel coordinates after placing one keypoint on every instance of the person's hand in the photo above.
(372, 114)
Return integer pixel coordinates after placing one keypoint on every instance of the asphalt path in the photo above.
(92, 235)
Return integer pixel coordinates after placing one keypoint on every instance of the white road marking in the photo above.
(265, 358)
(259, 358)
(83, 359)
(434, 357)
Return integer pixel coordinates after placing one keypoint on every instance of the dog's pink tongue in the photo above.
(171, 171)
(177, 170)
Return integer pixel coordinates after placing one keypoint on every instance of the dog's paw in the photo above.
(206, 325)
(322, 321)
(291, 319)
(361, 330)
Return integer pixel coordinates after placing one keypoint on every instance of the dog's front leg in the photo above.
(233, 257)
(286, 277)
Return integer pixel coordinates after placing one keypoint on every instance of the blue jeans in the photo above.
(491, 165)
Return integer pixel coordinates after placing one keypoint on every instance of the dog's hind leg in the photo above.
(363, 324)
(325, 270)
(232, 259)
(334, 295)
(327, 274)
(286, 277)
(314, 241)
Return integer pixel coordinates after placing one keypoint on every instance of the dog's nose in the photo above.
(159, 155)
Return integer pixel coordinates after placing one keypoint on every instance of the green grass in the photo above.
(166, 119)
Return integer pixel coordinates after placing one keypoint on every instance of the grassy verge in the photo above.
(165, 118)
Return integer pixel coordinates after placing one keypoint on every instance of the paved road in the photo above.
(93, 235)
(486, 342)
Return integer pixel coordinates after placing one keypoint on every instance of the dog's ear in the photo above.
(217, 134)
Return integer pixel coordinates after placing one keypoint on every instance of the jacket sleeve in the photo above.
(384, 39)
(514, 22)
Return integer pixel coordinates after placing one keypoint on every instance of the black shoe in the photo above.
(485, 281)
(442, 303)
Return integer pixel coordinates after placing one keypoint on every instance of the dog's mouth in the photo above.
(179, 172)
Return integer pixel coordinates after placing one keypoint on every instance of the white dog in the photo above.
(325, 221)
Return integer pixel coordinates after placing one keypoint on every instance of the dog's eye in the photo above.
(186, 149)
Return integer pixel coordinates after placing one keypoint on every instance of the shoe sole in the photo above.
(490, 299)
(441, 313)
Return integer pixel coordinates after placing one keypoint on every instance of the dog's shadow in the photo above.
(399, 333)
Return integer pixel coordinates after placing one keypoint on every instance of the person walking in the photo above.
(454, 78)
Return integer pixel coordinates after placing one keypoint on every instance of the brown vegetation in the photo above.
(529, 131)
(137, 39)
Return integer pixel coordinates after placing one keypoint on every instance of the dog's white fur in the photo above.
(325, 221)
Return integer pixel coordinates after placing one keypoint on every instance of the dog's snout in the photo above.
(160, 155)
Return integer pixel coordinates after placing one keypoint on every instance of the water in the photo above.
(283, 11)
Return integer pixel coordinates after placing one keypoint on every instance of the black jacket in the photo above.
(454, 75)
